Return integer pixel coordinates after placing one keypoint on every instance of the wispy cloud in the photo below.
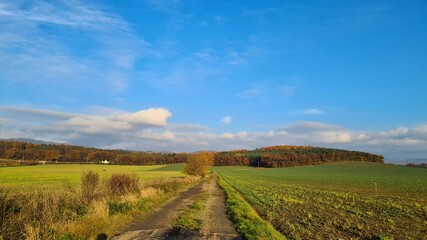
(254, 90)
(220, 18)
(184, 73)
(26, 42)
(226, 120)
(264, 88)
(310, 111)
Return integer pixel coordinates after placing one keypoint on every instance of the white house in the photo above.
(105, 162)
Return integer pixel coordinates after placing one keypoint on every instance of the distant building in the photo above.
(105, 162)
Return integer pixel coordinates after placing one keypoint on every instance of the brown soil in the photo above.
(159, 224)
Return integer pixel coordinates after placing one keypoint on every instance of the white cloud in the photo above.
(54, 121)
(242, 134)
(420, 131)
(226, 120)
(151, 116)
(148, 129)
(311, 111)
(36, 112)
(162, 136)
(227, 136)
(399, 132)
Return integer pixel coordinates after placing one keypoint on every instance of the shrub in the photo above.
(89, 184)
(121, 183)
(198, 164)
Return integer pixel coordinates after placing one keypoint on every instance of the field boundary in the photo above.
(245, 218)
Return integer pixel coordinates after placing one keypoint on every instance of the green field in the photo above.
(350, 200)
(52, 175)
(66, 201)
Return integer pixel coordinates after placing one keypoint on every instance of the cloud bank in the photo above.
(148, 129)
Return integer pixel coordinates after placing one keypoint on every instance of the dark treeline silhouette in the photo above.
(274, 156)
(420, 165)
(29, 152)
(286, 156)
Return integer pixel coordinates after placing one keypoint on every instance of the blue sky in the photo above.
(192, 75)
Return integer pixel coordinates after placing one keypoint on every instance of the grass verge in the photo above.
(245, 218)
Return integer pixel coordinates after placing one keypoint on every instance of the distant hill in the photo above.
(273, 156)
(27, 140)
(287, 156)
(36, 150)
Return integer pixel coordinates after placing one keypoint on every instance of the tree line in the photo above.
(287, 156)
(273, 156)
(29, 152)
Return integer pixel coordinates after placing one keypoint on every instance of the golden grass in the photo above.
(65, 213)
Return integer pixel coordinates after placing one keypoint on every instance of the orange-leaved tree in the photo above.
(198, 164)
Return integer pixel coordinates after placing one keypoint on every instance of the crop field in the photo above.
(349, 200)
(53, 175)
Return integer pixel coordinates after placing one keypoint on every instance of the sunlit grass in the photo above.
(37, 203)
(27, 178)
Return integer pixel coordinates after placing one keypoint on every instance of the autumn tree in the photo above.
(198, 164)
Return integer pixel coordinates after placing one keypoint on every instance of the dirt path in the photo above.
(216, 224)
(159, 224)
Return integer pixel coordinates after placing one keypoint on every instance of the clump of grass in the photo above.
(120, 184)
(8, 209)
(149, 192)
(119, 207)
(245, 218)
(89, 185)
(36, 215)
(94, 222)
(190, 218)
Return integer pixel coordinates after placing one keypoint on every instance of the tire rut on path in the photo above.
(159, 224)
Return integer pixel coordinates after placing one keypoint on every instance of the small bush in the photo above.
(90, 183)
(198, 164)
(120, 184)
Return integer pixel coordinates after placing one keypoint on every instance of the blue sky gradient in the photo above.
(191, 75)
